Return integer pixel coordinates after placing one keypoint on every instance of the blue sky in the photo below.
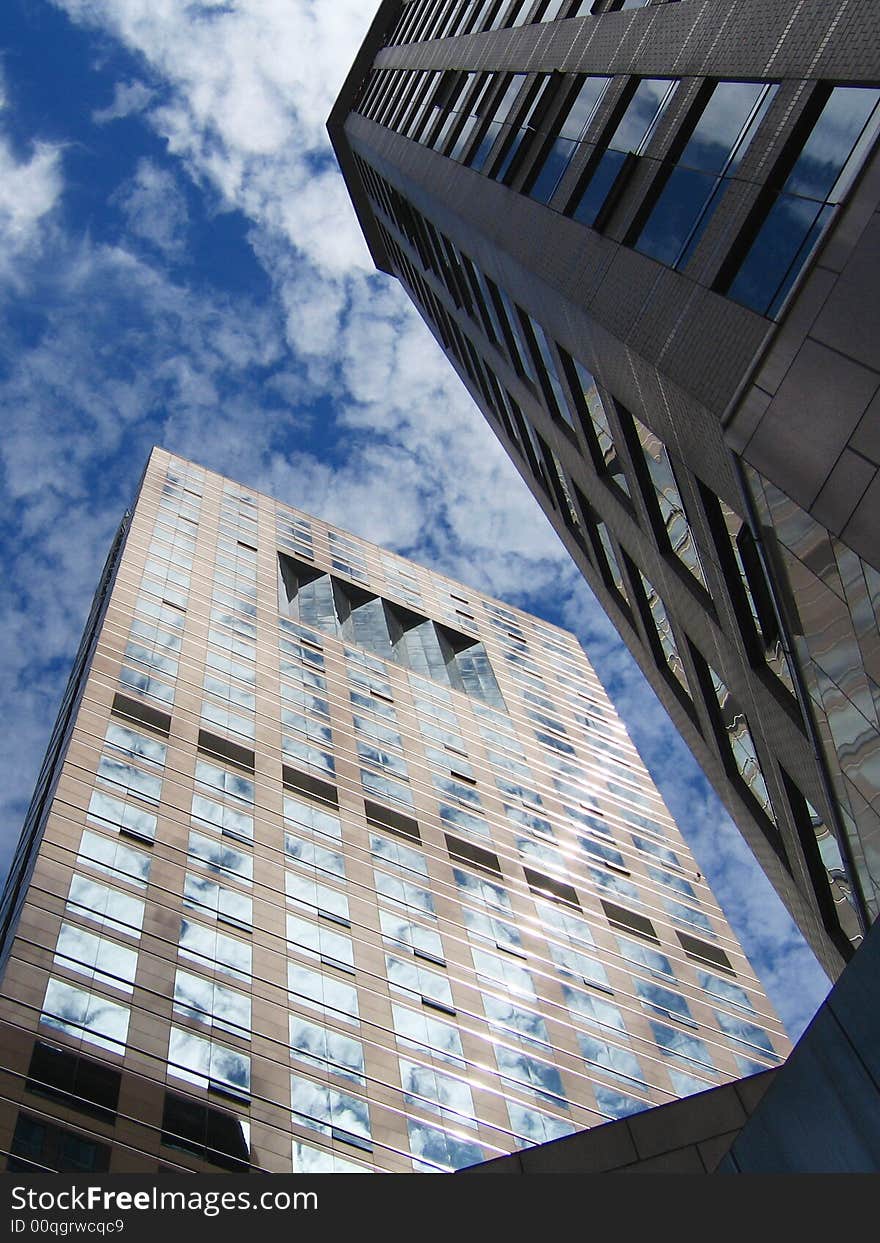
(179, 265)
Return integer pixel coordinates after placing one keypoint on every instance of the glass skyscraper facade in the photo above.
(335, 864)
(644, 235)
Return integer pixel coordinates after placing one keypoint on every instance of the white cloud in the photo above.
(129, 98)
(155, 208)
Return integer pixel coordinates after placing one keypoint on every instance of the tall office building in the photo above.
(644, 233)
(335, 864)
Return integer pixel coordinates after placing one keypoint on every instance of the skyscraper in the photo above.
(336, 864)
(644, 235)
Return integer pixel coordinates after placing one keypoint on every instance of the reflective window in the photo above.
(206, 1001)
(523, 1072)
(103, 905)
(129, 778)
(819, 179)
(434, 1149)
(85, 1016)
(396, 889)
(310, 854)
(220, 858)
(744, 1033)
(499, 970)
(326, 1050)
(682, 1046)
(208, 896)
(214, 949)
(616, 1104)
(408, 976)
(421, 941)
(427, 1088)
(530, 1126)
(575, 121)
(316, 941)
(207, 1064)
(97, 958)
(693, 188)
(114, 859)
(388, 851)
(673, 520)
(309, 1160)
(631, 135)
(308, 892)
(322, 992)
(138, 746)
(524, 1025)
(334, 1113)
(421, 1031)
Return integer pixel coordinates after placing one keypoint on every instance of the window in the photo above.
(309, 1160)
(525, 1026)
(207, 1132)
(429, 1089)
(616, 1104)
(114, 859)
(98, 958)
(38, 1147)
(220, 858)
(129, 778)
(208, 1064)
(434, 1149)
(610, 1058)
(207, 896)
(421, 1031)
(214, 949)
(308, 892)
(687, 196)
(630, 136)
(530, 1126)
(682, 1046)
(75, 1080)
(522, 1072)
(85, 1016)
(331, 1112)
(740, 1032)
(423, 942)
(497, 970)
(409, 977)
(102, 905)
(574, 121)
(326, 1050)
(208, 1002)
(672, 528)
(310, 855)
(331, 997)
(836, 134)
(316, 941)
(733, 730)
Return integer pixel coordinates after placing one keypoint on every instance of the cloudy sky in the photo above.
(179, 265)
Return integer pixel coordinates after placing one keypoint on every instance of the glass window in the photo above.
(427, 1088)
(408, 976)
(97, 958)
(206, 1001)
(499, 970)
(402, 931)
(103, 905)
(316, 941)
(114, 859)
(530, 1126)
(206, 895)
(616, 1104)
(673, 520)
(575, 120)
(308, 892)
(207, 1064)
(631, 135)
(742, 1032)
(310, 854)
(682, 1046)
(326, 1050)
(421, 1031)
(523, 1072)
(85, 1016)
(820, 177)
(322, 992)
(309, 1160)
(214, 949)
(693, 188)
(614, 1061)
(524, 1025)
(395, 889)
(334, 1113)
(220, 858)
(434, 1149)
